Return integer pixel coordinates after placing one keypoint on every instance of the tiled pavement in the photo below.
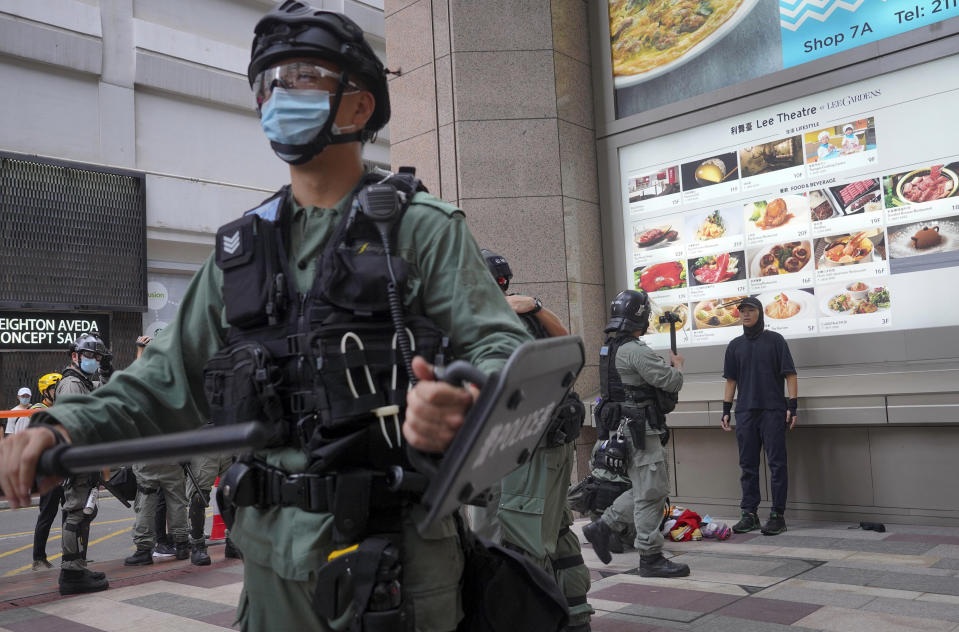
(817, 576)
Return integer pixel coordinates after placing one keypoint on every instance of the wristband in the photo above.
(727, 408)
(792, 404)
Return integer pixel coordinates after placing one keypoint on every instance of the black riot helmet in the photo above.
(629, 311)
(295, 29)
(90, 341)
(498, 267)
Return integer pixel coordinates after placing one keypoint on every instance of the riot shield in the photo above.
(504, 426)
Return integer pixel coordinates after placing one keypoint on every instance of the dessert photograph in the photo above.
(924, 238)
(710, 171)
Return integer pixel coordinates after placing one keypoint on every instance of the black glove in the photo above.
(792, 404)
(615, 453)
(106, 367)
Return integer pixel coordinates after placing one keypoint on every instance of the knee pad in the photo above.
(197, 512)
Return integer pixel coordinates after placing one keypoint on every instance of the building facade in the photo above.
(576, 134)
(128, 135)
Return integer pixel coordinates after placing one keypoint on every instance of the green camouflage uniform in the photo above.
(206, 468)
(283, 546)
(170, 479)
(529, 511)
(638, 365)
(76, 490)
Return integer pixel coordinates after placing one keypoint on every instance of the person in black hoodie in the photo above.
(757, 364)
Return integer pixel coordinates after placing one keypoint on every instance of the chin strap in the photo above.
(324, 138)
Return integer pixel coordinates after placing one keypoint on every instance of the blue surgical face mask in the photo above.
(24, 400)
(295, 117)
(89, 365)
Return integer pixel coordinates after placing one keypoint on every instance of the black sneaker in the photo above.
(182, 550)
(749, 522)
(775, 525)
(598, 534)
(78, 582)
(655, 565)
(142, 557)
(199, 556)
(164, 549)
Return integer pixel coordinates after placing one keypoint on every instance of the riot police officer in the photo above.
(638, 389)
(88, 355)
(528, 511)
(306, 318)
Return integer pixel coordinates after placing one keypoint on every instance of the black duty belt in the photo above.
(254, 482)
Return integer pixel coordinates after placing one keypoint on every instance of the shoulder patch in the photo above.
(430, 200)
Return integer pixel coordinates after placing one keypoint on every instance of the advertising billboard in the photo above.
(666, 51)
(839, 211)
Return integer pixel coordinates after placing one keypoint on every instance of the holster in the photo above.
(369, 578)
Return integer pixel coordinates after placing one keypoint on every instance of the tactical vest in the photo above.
(332, 362)
(615, 396)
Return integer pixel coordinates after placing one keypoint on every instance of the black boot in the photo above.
(655, 565)
(78, 582)
(598, 534)
(143, 557)
(96, 574)
(231, 551)
(182, 550)
(199, 556)
(583, 627)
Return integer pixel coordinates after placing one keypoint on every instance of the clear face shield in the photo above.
(297, 75)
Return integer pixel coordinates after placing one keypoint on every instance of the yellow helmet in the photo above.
(48, 380)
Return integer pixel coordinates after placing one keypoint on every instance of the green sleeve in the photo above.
(457, 290)
(654, 370)
(162, 391)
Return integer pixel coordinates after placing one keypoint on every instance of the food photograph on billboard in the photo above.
(825, 208)
(663, 52)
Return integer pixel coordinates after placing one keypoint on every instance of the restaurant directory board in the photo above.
(839, 211)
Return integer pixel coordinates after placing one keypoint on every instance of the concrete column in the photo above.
(493, 106)
(116, 99)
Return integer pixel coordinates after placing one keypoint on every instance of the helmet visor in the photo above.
(296, 75)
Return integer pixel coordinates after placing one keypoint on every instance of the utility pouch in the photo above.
(124, 483)
(361, 366)
(594, 495)
(253, 288)
(502, 590)
(567, 421)
(354, 271)
(240, 383)
(607, 415)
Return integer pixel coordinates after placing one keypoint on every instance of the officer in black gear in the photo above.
(638, 389)
(88, 354)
